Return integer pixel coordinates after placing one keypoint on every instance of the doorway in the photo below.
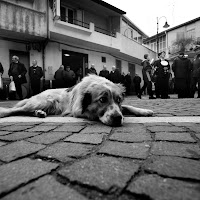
(76, 61)
(24, 58)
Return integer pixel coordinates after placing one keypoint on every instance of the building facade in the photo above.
(76, 33)
(170, 40)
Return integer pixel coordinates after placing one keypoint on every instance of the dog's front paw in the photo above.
(148, 113)
(40, 113)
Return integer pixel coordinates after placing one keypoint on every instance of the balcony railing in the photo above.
(85, 25)
(74, 21)
(106, 32)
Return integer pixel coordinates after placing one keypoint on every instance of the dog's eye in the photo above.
(103, 99)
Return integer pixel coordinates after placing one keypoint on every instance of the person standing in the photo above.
(17, 72)
(59, 77)
(115, 75)
(104, 72)
(162, 69)
(92, 70)
(136, 81)
(69, 77)
(1, 87)
(195, 79)
(182, 68)
(35, 74)
(128, 83)
(146, 73)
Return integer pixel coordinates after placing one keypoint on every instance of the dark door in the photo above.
(131, 69)
(24, 58)
(119, 65)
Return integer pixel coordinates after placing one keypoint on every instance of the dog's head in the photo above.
(102, 101)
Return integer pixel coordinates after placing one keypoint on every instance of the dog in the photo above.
(94, 98)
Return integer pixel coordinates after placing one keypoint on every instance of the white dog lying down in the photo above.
(94, 98)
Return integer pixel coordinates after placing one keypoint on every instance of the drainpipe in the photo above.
(45, 43)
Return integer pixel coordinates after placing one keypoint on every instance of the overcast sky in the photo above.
(144, 13)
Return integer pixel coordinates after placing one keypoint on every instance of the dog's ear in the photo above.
(87, 100)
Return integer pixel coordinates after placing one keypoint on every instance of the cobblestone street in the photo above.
(153, 158)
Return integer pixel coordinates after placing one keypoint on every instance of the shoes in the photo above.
(139, 96)
(152, 97)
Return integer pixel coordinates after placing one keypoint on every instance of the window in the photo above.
(103, 59)
(67, 14)
(191, 33)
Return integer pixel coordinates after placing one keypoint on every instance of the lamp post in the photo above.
(165, 26)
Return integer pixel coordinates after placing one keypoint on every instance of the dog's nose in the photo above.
(116, 120)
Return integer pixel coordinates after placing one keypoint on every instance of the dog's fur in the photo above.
(94, 98)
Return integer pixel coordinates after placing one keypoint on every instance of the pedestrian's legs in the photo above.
(149, 89)
(19, 89)
(143, 87)
(198, 87)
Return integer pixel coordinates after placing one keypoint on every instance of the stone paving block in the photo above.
(41, 128)
(101, 172)
(63, 151)
(166, 129)
(158, 188)
(2, 143)
(69, 128)
(198, 135)
(137, 135)
(157, 124)
(129, 128)
(195, 129)
(182, 124)
(18, 149)
(28, 123)
(131, 150)
(85, 138)
(48, 138)
(179, 137)
(45, 188)
(175, 149)
(96, 129)
(21, 171)
(18, 136)
(4, 132)
(175, 167)
(15, 128)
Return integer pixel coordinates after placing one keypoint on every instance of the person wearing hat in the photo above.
(182, 69)
(162, 73)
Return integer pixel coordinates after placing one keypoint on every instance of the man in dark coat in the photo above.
(92, 70)
(17, 73)
(137, 80)
(115, 75)
(195, 76)
(104, 72)
(182, 68)
(128, 83)
(146, 73)
(69, 77)
(1, 87)
(59, 77)
(35, 74)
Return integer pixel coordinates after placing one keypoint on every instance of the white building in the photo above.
(75, 33)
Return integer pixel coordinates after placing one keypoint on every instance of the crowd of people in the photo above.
(154, 73)
(186, 76)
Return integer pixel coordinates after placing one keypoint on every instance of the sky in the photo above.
(144, 13)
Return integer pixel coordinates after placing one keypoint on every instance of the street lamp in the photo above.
(165, 26)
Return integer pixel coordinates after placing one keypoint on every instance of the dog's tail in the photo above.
(4, 112)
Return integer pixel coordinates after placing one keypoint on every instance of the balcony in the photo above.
(19, 22)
